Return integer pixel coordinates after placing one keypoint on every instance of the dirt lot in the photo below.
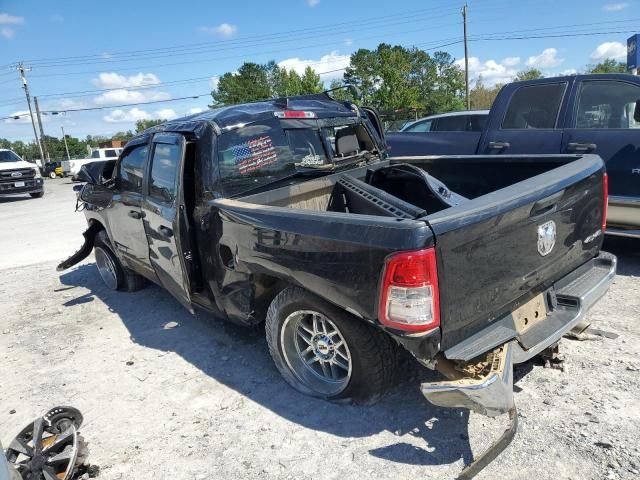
(203, 400)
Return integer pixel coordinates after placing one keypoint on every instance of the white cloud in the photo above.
(510, 61)
(7, 32)
(120, 96)
(348, 42)
(569, 71)
(134, 114)
(333, 63)
(547, 59)
(491, 71)
(213, 82)
(166, 114)
(23, 117)
(193, 111)
(114, 80)
(609, 50)
(614, 7)
(313, 3)
(6, 19)
(225, 30)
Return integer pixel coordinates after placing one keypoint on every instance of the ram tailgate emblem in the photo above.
(546, 237)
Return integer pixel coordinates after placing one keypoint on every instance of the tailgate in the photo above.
(496, 252)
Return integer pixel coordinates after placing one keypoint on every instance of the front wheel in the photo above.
(113, 273)
(37, 194)
(52, 175)
(325, 352)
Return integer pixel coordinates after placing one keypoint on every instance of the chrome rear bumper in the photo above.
(491, 394)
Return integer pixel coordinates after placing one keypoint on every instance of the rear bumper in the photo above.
(492, 394)
(623, 216)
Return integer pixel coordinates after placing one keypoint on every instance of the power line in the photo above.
(260, 39)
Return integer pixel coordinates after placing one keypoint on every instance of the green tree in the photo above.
(310, 82)
(248, 84)
(141, 125)
(394, 78)
(608, 66)
(128, 135)
(481, 96)
(528, 74)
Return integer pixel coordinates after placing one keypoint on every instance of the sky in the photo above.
(118, 53)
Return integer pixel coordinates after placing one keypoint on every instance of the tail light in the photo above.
(295, 114)
(409, 298)
(605, 199)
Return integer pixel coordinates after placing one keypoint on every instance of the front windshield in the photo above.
(8, 156)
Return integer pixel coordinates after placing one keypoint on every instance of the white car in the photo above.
(96, 155)
(19, 176)
(465, 121)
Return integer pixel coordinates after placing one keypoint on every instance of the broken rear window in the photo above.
(253, 155)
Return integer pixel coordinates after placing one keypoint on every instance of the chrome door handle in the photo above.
(499, 145)
(581, 147)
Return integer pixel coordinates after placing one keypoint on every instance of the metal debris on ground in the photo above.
(51, 447)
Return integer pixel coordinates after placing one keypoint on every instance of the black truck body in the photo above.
(466, 244)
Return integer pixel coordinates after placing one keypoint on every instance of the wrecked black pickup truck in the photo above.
(289, 212)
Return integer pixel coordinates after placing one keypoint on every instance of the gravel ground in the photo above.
(202, 399)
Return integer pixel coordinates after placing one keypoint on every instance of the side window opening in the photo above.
(420, 127)
(534, 106)
(131, 168)
(165, 160)
(607, 104)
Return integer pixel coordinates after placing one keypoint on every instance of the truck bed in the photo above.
(484, 227)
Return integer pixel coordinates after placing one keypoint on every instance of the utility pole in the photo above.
(44, 143)
(22, 69)
(466, 58)
(66, 147)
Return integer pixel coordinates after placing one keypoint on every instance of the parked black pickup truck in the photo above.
(576, 114)
(289, 212)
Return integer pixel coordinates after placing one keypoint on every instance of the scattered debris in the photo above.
(170, 325)
(51, 447)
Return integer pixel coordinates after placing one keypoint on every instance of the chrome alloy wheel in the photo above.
(106, 268)
(316, 352)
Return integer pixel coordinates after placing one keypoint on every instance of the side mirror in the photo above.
(636, 112)
(96, 195)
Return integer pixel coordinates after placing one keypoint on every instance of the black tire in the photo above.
(373, 354)
(125, 279)
(37, 194)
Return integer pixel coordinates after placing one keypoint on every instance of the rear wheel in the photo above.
(323, 351)
(113, 273)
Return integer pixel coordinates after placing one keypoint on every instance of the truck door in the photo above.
(529, 123)
(125, 214)
(601, 122)
(161, 215)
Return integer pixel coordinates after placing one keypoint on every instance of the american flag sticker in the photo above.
(254, 154)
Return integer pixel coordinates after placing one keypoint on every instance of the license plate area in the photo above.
(18, 184)
(530, 314)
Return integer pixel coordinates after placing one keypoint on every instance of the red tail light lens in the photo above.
(295, 114)
(409, 298)
(605, 199)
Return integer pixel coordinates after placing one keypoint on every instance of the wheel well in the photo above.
(266, 287)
